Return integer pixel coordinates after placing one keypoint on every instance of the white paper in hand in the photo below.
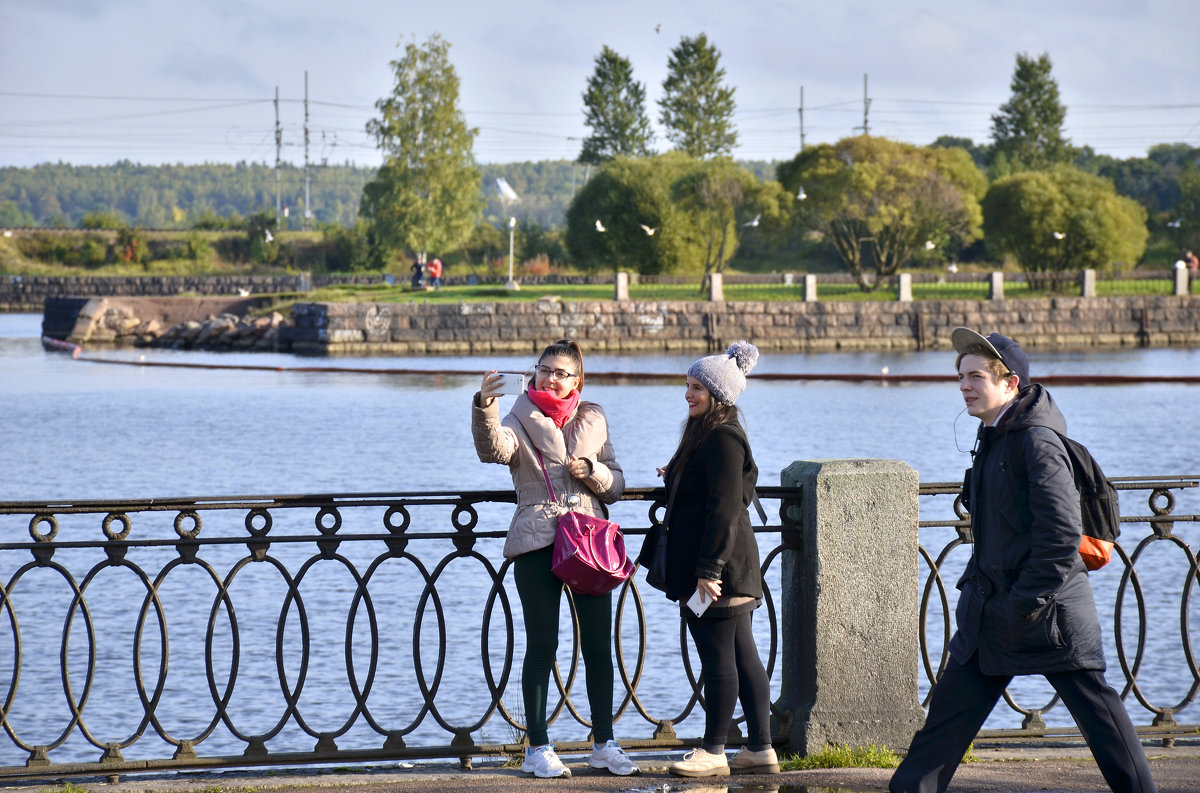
(699, 602)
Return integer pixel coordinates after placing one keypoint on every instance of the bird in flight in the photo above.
(930, 245)
(649, 231)
(267, 232)
(754, 222)
(1174, 224)
(801, 195)
(658, 28)
(1058, 235)
(600, 226)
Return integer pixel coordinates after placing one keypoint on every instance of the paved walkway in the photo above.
(1000, 769)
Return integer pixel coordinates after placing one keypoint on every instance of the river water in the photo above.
(79, 430)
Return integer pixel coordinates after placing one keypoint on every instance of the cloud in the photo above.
(213, 70)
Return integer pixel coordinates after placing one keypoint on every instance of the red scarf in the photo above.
(555, 409)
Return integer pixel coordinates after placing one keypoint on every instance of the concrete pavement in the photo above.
(1000, 768)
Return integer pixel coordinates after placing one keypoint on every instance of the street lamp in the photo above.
(512, 226)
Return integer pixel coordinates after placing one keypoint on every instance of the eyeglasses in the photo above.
(553, 374)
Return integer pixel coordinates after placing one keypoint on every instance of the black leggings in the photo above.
(732, 671)
(541, 593)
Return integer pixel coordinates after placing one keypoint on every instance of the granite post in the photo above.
(850, 606)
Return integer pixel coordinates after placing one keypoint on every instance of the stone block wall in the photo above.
(633, 326)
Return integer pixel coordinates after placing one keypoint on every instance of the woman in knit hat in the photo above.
(712, 555)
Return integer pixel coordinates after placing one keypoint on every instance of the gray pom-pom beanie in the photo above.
(725, 375)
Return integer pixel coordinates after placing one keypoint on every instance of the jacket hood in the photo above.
(1033, 407)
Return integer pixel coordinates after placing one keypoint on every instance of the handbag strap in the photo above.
(545, 473)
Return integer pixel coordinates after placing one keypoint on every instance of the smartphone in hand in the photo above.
(699, 602)
(513, 383)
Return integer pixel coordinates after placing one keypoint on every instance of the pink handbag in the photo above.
(589, 551)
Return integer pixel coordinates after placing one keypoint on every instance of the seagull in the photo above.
(268, 233)
(649, 231)
(801, 195)
(658, 28)
(930, 245)
(754, 222)
(243, 292)
(600, 226)
(884, 370)
(1058, 235)
(1174, 224)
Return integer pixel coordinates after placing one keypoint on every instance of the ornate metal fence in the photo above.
(1135, 603)
(268, 630)
(277, 630)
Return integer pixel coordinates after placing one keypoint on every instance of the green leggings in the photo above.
(541, 593)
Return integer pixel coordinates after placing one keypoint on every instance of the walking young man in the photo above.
(1025, 605)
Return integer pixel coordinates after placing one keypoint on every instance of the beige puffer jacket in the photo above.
(508, 442)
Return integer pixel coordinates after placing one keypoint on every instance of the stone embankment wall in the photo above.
(624, 326)
(631, 326)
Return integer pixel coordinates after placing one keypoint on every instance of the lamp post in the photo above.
(512, 226)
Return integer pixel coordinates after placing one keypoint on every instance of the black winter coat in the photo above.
(1026, 604)
(711, 536)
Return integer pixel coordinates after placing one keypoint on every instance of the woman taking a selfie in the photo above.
(572, 438)
(712, 561)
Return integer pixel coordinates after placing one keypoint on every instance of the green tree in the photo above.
(1027, 133)
(426, 196)
(879, 202)
(979, 154)
(627, 194)
(1062, 220)
(615, 108)
(1184, 228)
(719, 199)
(102, 219)
(696, 106)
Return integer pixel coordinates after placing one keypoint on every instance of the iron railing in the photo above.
(1162, 575)
(213, 632)
(258, 609)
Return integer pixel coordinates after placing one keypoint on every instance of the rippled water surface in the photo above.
(80, 430)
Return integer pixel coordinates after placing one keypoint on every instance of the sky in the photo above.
(91, 82)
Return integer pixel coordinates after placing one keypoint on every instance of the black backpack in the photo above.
(1097, 504)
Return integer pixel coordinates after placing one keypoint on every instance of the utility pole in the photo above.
(278, 144)
(307, 204)
(866, 108)
(801, 118)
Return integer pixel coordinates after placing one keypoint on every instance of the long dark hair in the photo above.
(571, 350)
(697, 429)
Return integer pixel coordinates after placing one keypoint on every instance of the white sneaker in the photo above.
(612, 757)
(542, 762)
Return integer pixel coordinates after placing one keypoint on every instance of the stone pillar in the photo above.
(996, 286)
(904, 288)
(716, 287)
(849, 644)
(810, 288)
(1087, 283)
(621, 287)
(1181, 282)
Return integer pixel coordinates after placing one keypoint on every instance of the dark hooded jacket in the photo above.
(1025, 603)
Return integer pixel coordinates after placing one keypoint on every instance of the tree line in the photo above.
(867, 205)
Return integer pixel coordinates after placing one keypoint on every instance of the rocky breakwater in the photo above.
(177, 323)
(223, 332)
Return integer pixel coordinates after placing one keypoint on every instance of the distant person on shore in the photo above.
(1025, 604)
(418, 278)
(712, 556)
(435, 274)
(1193, 264)
(549, 424)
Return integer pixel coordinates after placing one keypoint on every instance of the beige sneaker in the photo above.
(748, 762)
(700, 763)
